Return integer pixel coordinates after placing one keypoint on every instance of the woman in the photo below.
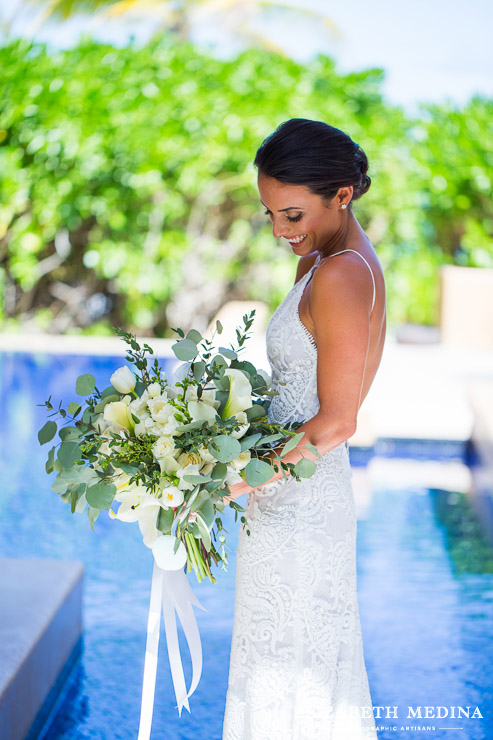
(297, 669)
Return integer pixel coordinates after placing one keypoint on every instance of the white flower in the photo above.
(206, 468)
(138, 505)
(232, 476)
(206, 455)
(119, 416)
(154, 389)
(171, 496)
(201, 411)
(123, 380)
(189, 458)
(242, 418)
(242, 460)
(163, 447)
(240, 393)
(139, 405)
(160, 409)
(168, 465)
(187, 470)
(163, 550)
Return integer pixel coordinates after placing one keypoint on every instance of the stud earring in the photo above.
(344, 205)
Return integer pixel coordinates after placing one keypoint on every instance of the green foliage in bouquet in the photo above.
(167, 450)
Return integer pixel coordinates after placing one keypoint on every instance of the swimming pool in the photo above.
(425, 581)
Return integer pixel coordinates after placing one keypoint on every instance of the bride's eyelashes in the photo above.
(290, 218)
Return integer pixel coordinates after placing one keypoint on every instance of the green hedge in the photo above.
(128, 194)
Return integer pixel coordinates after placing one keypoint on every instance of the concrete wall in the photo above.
(40, 624)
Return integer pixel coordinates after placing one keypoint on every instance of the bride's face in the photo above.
(298, 214)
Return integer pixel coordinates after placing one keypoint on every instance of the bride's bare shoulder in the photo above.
(305, 263)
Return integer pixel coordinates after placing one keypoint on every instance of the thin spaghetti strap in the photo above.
(371, 271)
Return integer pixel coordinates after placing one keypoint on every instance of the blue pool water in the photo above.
(425, 580)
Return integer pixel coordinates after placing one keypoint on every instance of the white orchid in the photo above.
(171, 496)
(138, 505)
(123, 380)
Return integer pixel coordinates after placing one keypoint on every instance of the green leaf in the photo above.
(206, 511)
(165, 520)
(229, 353)
(256, 411)
(192, 425)
(69, 453)
(218, 362)
(194, 335)
(305, 468)
(99, 407)
(291, 444)
(197, 478)
(271, 438)
(73, 408)
(185, 350)
(224, 448)
(258, 472)
(203, 532)
(313, 449)
(101, 495)
(247, 442)
(128, 468)
(109, 391)
(85, 384)
(49, 467)
(219, 327)
(198, 369)
(93, 514)
(70, 434)
(47, 432)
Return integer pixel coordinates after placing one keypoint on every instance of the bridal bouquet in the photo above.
(163, 452)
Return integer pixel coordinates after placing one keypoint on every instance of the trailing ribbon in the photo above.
(171, 590)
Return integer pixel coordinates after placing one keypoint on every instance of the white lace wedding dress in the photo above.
(297, 669)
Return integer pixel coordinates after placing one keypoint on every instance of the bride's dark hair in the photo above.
(314, 154)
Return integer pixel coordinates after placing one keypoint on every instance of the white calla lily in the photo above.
(242, 418)
(201, 411)
(240, 393)
(119, 416)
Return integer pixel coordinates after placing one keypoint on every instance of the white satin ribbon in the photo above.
(171, 590)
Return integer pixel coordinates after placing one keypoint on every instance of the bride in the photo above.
(297, 669)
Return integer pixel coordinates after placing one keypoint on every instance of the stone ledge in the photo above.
(40, 624)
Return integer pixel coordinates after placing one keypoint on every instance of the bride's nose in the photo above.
(279, 229)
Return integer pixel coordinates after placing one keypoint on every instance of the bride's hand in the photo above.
(238, 489)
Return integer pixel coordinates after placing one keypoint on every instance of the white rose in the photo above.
(123, 380)
(163, 447)
(242, 460)
(160, 409)
(189, 458)
(206, 468)
(206, 455)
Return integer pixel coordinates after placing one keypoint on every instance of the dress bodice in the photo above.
(292, 355)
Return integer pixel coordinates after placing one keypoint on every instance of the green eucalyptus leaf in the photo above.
(68, 454)
(185, 350)
(219, 327)
(291, 444)
(93, 514)
(101, 495)
(206, 511)
(201, 530)
(165, 520)
(47, 432)
(73, 408)
(247, 442)
(305, 468)
(198, 369)
(256, 411)
(85, 384)
(258, 472)
(228, 353)
(313, 449)
(70, 434)
(224, 448)
(50, 463)
(99, 407)
(197, 478)
(194, 335)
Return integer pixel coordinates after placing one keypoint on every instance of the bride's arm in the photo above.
(340, 303)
